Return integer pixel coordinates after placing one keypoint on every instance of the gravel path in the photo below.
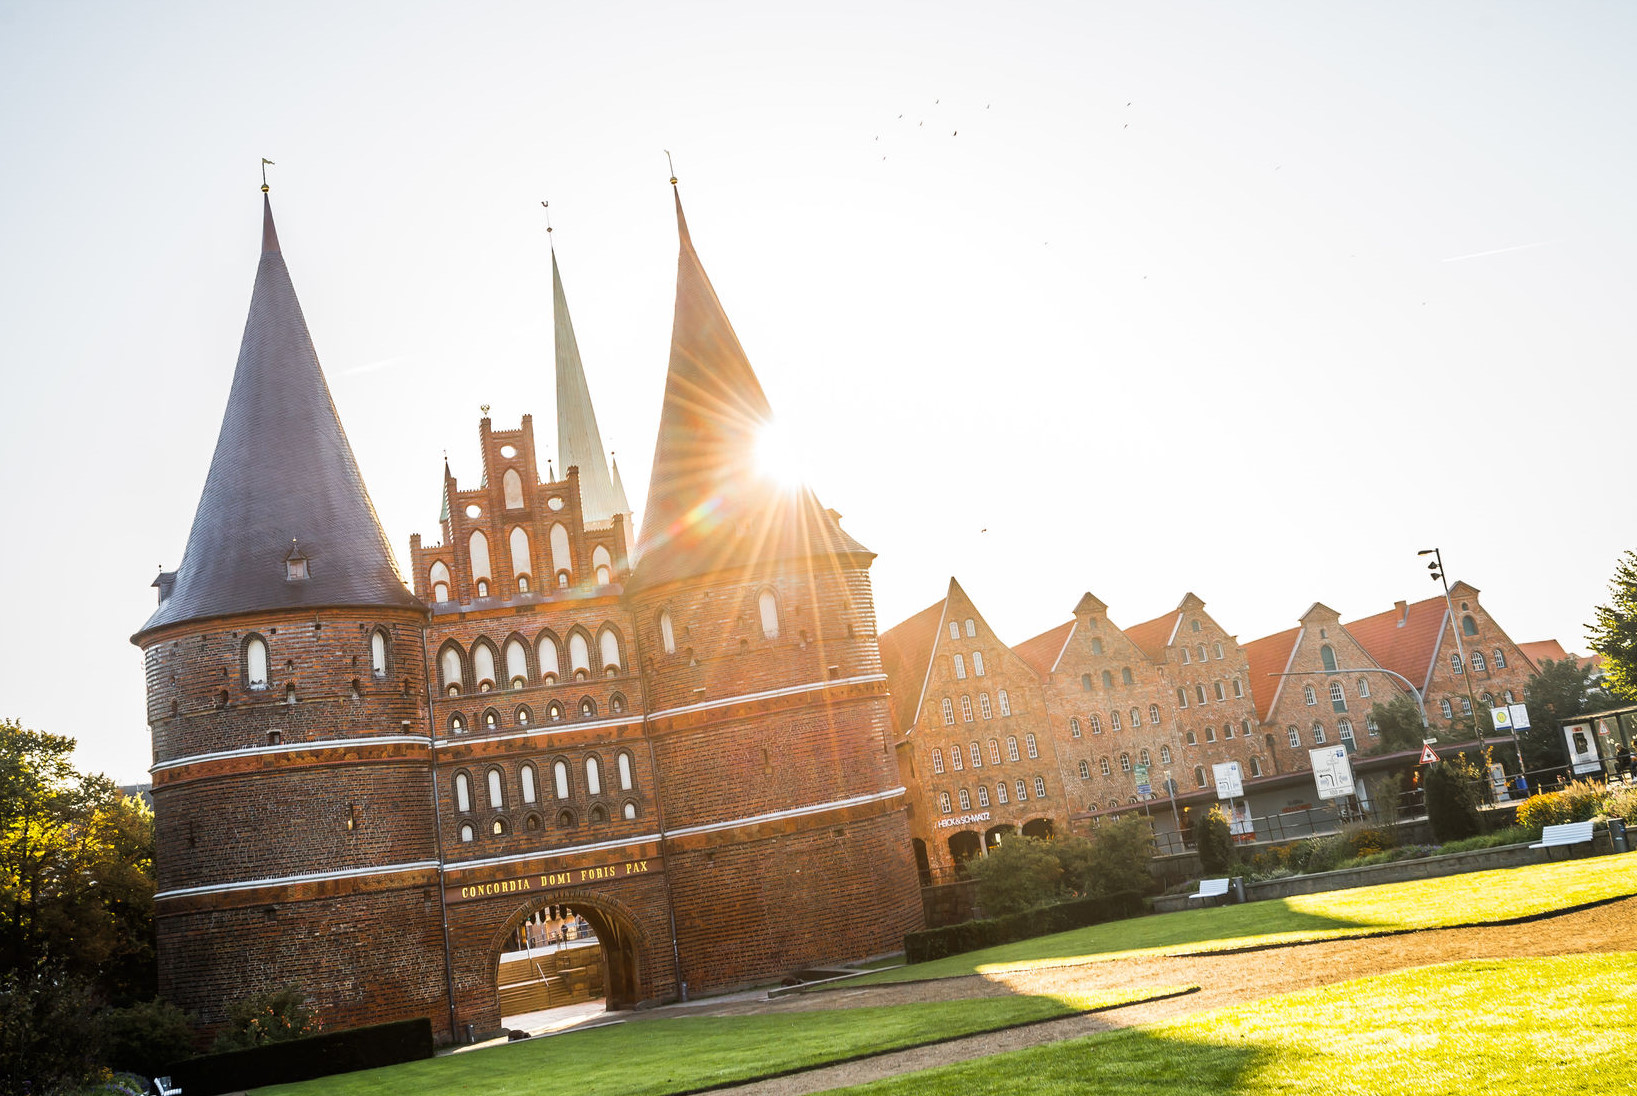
(1223, 980)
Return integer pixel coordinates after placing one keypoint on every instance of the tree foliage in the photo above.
(1399, 724)
(1454, 790)
(1024, 872)
(276, 1016)
(1613, 631)
(1215, 841)
(1120, 853)
(1561, 690)
(1018, 874)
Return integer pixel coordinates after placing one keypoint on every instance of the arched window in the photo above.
(602, 565)
(512, 484)
(1005, 703)
(954, 629)
(467, 831)
(971, 628)
(1154, 714)
(483, 666)
(1136, 719)
(449, 664)
(966, 709)
(1022, 792)
(378, 653)
(478, 546)
(1143, 757)
(983, 706)
(1338, 697)
(1125, 676)
(959, 662)
(1000, 792)
(1478, 664)
(623, 763)
(562, 563)
(608, 646)
(983, 796)
(1125, 762)
(1096, 723)
(593, 776)
(559, 776)
(1318, 734)
(1182, 697)
(579, 655)
(943, 802)
(588, 707)
(1104, 767)
(629, 810)
(1199, 775)
(1210, 734)
(1199, 691)
(1363, 688)
(957, 759)
(1455, 662)
(1096, 646)
(1114, 720)
(1202, 652)
(546, 651)
(255, 662)
(1074, 728)
(517, 663)
(1238, 689)
(1256, 766)
(491, 720)
(1294, 736)
(937, 760)
(1165, 755)
(1500, 659)
(1186, 657)
(768, 606)
(1029, 746)
(667, 632)
(1244, 727)
(1466, 705)
(1227, 730)
(1108, 679)
(1218, 648)
(439, 576)
(526, 777)
(524, 716)
(1469, 627)
(1309, 696)
(994, 752)
(463, 793)
(976, 755)
(949, 711)
(966, 800)
(497, 798)
(1216, 688)
(1190, 738)
(1328, 658)
(522, 564)
(1085, 682)
(457, 724)
(977, 663)
(1011, 747)
(1344, 729)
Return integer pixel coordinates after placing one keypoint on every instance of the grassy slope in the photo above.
(1419, 904)
(685, 1053)
(1559, 1026)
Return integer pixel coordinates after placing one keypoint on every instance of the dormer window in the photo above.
(295, 565)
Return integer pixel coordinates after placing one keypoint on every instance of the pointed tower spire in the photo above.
(283, 471)
(578, 440)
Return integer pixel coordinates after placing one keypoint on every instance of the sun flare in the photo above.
(779, 456)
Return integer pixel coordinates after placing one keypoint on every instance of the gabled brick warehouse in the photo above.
(367, 792)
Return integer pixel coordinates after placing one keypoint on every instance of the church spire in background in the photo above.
(578, 440)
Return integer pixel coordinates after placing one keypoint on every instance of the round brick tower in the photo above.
(286, 697)
(784, 826)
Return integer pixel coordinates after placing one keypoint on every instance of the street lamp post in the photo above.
(1438, 575)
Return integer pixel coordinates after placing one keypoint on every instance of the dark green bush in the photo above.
(145, 1038)
(1214, 840)
(1017, 874)
(1454, 794)
(304, 1059)
(919, 947)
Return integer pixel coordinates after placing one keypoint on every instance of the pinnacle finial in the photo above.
(547, 207)
(671, 165)
(264, 162)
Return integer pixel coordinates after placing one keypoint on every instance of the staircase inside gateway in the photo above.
(552, 961)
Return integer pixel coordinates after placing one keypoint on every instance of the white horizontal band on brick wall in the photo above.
(293, 747)
(792, 690)
(292, 880)
(793, 812)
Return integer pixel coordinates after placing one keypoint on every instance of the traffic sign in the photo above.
(1428, 755)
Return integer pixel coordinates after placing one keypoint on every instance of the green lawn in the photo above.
(682, 1054)
(1391, 907)
(1525, 1027)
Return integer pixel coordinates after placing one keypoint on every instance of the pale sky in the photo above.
(1253, 299)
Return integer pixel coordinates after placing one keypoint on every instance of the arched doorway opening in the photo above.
(964, 846)
(923, 866)
(1039, 827)
(570, 956)
(991, 839)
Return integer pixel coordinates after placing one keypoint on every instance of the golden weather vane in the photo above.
(547, 207)
(264, 162)
(671, 165)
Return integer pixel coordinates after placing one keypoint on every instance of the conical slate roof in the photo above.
(578, 440)
(708, 508)
(283, 478)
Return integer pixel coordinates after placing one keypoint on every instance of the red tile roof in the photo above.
(1404, 640)
(1268, 655)
(906, 651)
(1041, 652)
(1152, 636)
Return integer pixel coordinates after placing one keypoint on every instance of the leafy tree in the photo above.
(1120, 854)
(1018, 874)
(1561, 690)
(1399, 722)
(148, 1037)
(1613, 632)
(49, 1035)
(1078, 858)
(1216, 851)
(1454, 792)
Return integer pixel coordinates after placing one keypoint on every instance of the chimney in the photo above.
(1403, 608)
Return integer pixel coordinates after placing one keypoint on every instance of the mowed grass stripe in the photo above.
(1559, 1026)
(663, 1057)
(1452, 900)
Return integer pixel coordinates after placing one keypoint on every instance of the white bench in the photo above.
(1211, 888)
(163, 1084)
(1569, 833)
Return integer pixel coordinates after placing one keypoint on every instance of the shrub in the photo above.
(1578, 802)
(1018, 874)
(49, 1038)
(146, 1038)
(1119, 857)
(273, 1017)
(1454, 793)
(1214, 840)
(1622, 803)
(1316, 854)
(294, 1060)
(1367, 840)
(921, 947)
(1078, 858)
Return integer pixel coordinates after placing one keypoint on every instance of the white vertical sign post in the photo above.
(1332, 772)
(1230, 785)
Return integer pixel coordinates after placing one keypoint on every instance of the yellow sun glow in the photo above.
(779, 457)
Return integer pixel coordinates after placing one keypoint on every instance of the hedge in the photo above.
(303, 1059)
(919, 947)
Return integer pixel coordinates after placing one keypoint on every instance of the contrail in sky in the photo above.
(1498, 251)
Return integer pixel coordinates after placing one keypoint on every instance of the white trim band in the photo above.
(791, 690)
(794, 812)
(547, 854)
(294, 880)
(291, 747)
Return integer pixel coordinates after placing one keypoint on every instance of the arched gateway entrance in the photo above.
(567, 952)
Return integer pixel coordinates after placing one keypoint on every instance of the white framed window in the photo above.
(966, 709)
(1182, 697)
(1202, 656)
(1455, 662)
(1029, 745)
(1363, 689)
(1039, 787)
(1444, 706)
(1103, 766)
(1005, 703)
(984, 708)
(1466, 706)
(1187, 658)
(1143, 757)
(1244, 727)
(463, 793)
(1154, 715)
(1000, 793)
(1220, 693)
(1096, 724)
(983, 796)
(943, 802)
(1074, 728)
(1509, 699)
(1227, 730)
(975, 754)
(1011, 747)
(1165, 755)
(1136, 719)
(1125, 762)
(625, 772)
(1210, 734)
(667, 632)
(1218, 649)
(977, 663)
(949, 712)
(1190, 738)
(1478, 663)
(966, 800)
(255, 662)
(957, 759)
(960, 667)
(1500, 659)
(1199, 775)
(1344, 730)
(1022, 791)
(378, 653)
(1238, 689)
(1309, 697)
(1085, 771)
(1256, 766)
(768, 606)
(1295, 737)
(971, 628)
(593, 776)
(1114, 721)
(1370, 725)
(937, 760)
(1199, 690)
(954, 629)
(994, 752)
(497, 796)
(1318, 734)
(1338, 697)
(559, 775)
(526, 778)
